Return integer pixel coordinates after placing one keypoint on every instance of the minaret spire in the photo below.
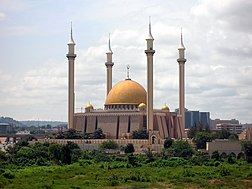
(181, 61)
(150, 53)
(150, 35)
(71, 57)
(109, 64)
(110, 51)
(71, 41)
(181, 46)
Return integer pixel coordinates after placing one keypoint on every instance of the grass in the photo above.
(117, 175)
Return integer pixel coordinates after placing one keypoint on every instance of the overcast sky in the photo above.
(34, 35)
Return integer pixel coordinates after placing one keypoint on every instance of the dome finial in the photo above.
(128, 68)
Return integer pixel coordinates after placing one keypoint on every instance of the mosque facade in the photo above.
(128, 106)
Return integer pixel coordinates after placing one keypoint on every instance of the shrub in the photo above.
(109, 145)
(215, 156)
(129, 148)
(224, 171)
(8, 174)
(182, 148)
(168, 143)
(140, 134)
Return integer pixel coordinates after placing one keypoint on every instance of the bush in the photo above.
(168, 143)
(224, 171)
(140, 134)
(182, 148)
(8, 174)
(215, 156)
(129, 148)
(109, 145)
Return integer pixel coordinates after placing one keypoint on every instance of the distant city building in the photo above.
(5, 128)
(195, 118)
(213, 123)
(25, 132)
(232, 128)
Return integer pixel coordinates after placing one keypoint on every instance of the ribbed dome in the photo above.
(126, 92)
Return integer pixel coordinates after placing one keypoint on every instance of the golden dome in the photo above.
(126, 92)
(165, 108)
(142, 105)
(89, 106)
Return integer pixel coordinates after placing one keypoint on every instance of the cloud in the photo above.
(218, 41)
(2, 16)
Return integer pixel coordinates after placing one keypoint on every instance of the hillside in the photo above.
(42, 123)
(30, 122)
(11, 121)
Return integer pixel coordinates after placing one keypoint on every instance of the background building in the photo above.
(195, 118)
(213, 123)
(6, 128)
(232, 128)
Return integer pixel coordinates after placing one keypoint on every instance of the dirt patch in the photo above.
(246, 180)
(214, 181)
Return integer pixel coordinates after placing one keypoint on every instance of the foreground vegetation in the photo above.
(172, 173)
(55, 166)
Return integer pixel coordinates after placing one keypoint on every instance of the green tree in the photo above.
(207, 128)
(140, 134)
(132, 160)
(192, 131)
(233, 137)
(215, 155)
(109, 145)
(247, 146)
(181, 148)
(223, 134)
(200, 127)
(55, 152)
(69, 151)
(168, 143)
(129, 148)
(72, 134)
(201, 138)
(98, 134)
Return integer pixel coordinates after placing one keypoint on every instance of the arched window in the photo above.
(153, 139)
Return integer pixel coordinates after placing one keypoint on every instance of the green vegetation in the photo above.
(130, 172)
(140, 134)
(73, 134)
(52, 165)
(201, 135)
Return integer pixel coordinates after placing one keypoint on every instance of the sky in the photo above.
(34, 68)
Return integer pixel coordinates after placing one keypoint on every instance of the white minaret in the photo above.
(149, 53)
(109, 64)
(71, 56)
(181, 61)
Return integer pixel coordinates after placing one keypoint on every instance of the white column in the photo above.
(181, 61)
(71, 57)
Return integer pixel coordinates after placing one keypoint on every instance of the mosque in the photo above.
(128, 106)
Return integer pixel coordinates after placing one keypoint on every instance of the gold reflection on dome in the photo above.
(126, 92)
(165, 108)
(89, 106)
(142, 105)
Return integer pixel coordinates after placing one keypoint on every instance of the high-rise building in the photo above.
(193, 118)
